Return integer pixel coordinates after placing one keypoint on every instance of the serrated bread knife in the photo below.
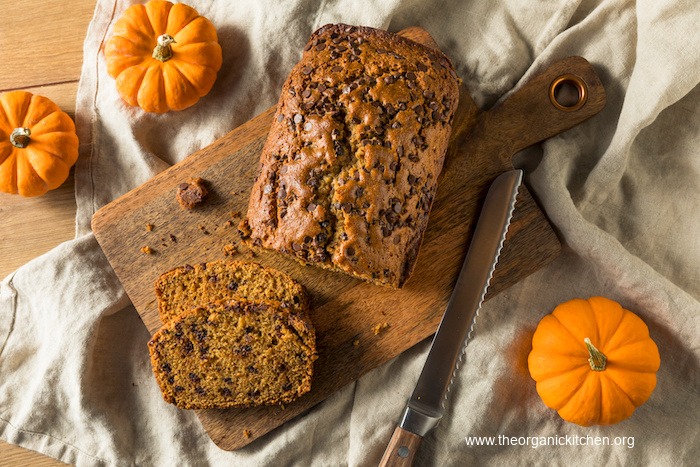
(426, 405)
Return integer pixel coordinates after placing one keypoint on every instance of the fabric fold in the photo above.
(621, 190)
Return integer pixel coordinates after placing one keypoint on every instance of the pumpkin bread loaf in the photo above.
(186, 287)
(234, 354)
(350, 167)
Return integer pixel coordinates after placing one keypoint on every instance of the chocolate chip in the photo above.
(397, 208)
(337, 69)
(320, 47)
(346, 90)
(232, 286)
(194, 378)
(411, 76)
(280, 117)
(166, 367)
(311, 207)
(421, 66)
(226, 392)
(298, 118)
(307, 70)
(433, 105)
(350, 251)
(296, 247)
(396, 125)
(308, 126)
(321, 87)
(306, 93)
(251, 369)
(428, 94)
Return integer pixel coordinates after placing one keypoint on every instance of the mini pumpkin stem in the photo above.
(163, 51)
(20, 137)
(597, 359)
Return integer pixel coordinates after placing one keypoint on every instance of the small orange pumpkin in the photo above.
(163, 56)
(38, 144)
(593, 361)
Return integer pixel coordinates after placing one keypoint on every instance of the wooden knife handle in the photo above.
(401, 449)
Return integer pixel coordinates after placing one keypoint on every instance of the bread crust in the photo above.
(349, 170)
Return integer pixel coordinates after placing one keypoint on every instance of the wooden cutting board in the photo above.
(345, 309)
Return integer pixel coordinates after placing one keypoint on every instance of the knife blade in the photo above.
(426, 407)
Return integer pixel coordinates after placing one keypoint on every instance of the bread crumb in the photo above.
(236, 214)
(379, 328)
(230, 249)
(191, 192)
(247, 433)
(147, 250)
(244, 229)
(203, 229)
(356, 342)
(149, 227)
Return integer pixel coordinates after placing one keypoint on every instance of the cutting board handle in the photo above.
(539, 110)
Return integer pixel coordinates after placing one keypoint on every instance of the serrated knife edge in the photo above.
(425, 407)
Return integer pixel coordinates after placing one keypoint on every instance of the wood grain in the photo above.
(51, 67)
(345, 309)
(402, 449)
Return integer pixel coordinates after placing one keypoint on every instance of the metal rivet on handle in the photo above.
(403, 451)
(566, 82)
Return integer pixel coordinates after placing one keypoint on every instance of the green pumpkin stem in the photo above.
(20, 137)
(163, 51)
(597, 360)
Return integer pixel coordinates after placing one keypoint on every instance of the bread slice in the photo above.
(187, 287)
(234, 354)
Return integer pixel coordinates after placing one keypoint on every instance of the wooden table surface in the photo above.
(41, 51)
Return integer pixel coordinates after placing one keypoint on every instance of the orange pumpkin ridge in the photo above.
(38, 144)
(593, 361)
(163, 57)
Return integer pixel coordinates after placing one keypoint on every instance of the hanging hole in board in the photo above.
(568, 93)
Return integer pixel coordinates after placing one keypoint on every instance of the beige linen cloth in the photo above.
(622, 190)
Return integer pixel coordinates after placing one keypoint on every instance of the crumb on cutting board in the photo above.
(356, 342)
(150, 227)
(247, 433)
(230, 249)
(379, 328)
(147, 250)
(191, 192)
